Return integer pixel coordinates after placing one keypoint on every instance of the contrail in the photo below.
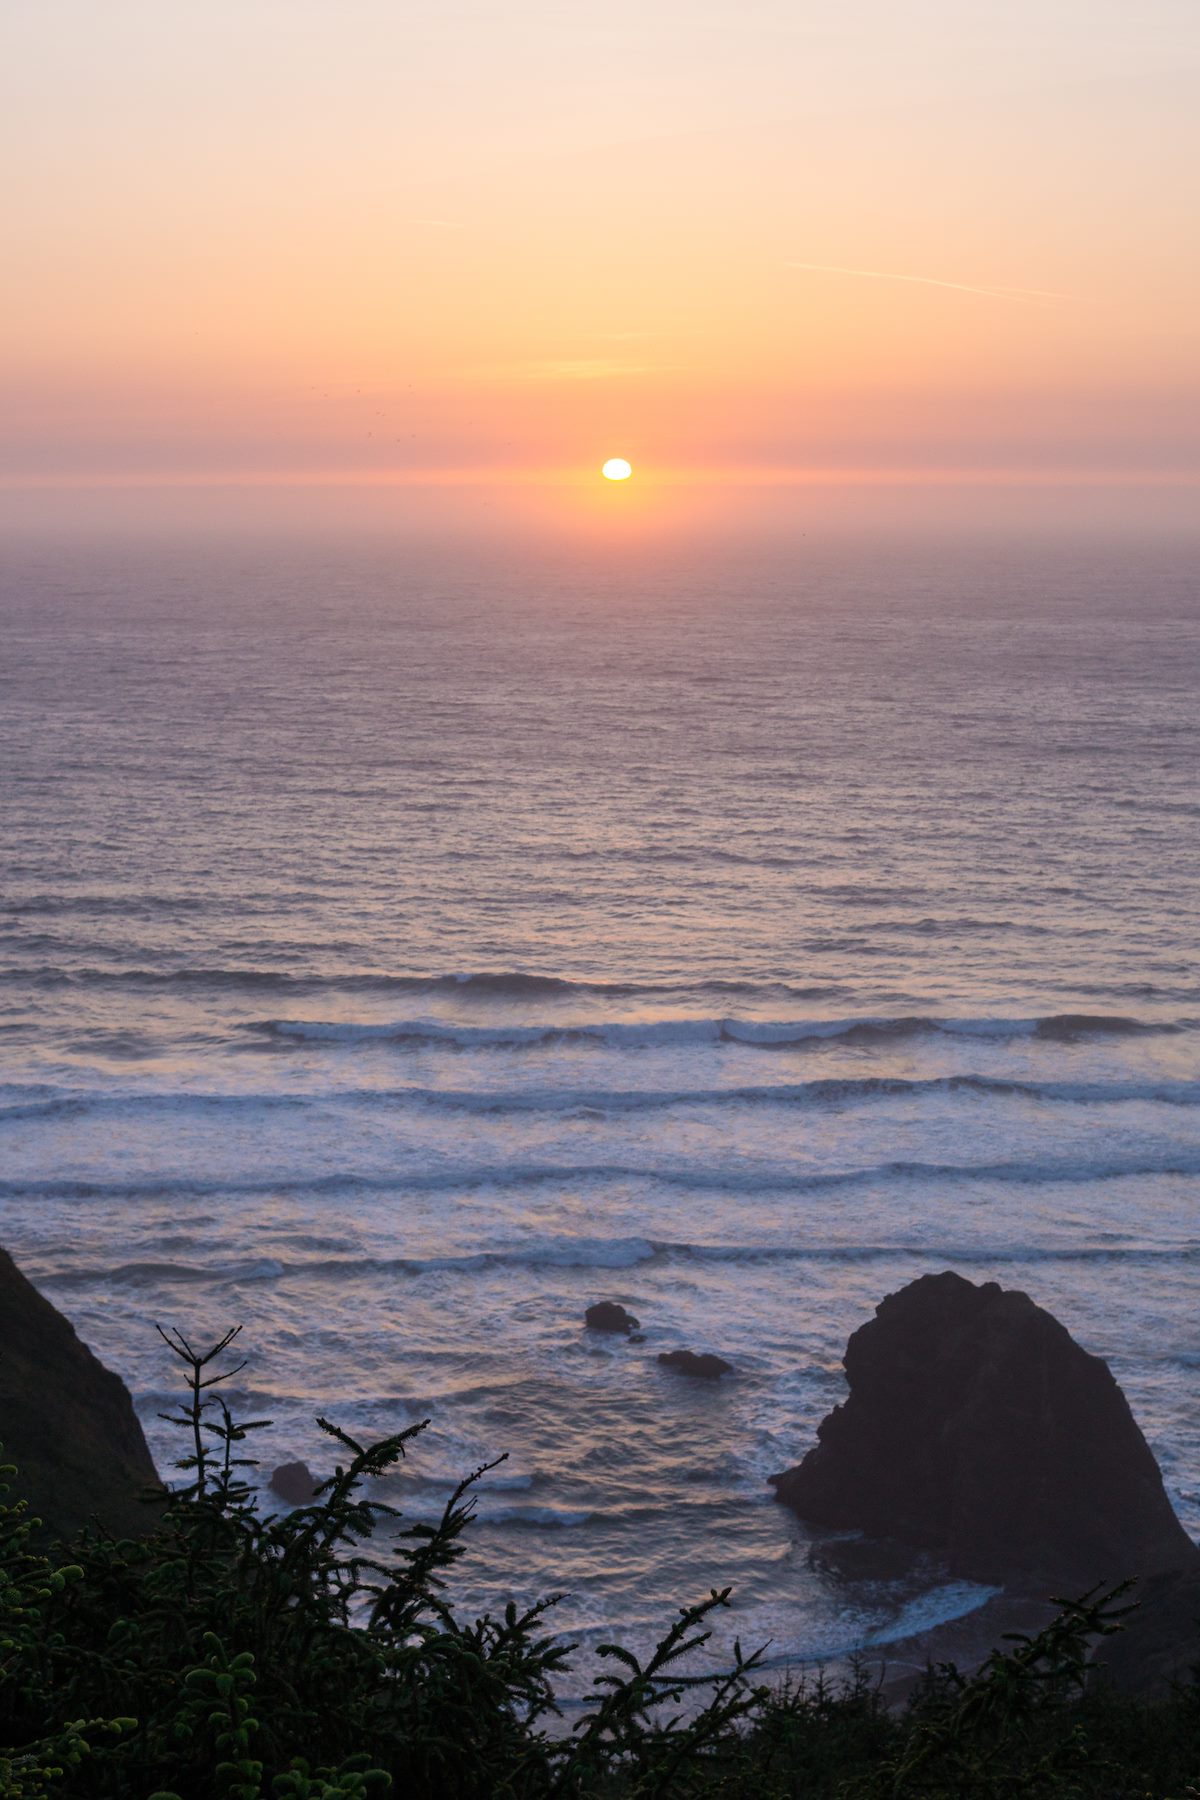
(960, 287)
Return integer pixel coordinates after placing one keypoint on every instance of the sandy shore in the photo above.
(965, 1642)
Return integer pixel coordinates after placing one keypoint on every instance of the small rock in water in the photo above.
(606, 1315)
(692, 1362)
(295, 1483)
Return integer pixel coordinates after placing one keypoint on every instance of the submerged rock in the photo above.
(294, 1483)
(692, 1362)
(606, 1315)
(67, 1422)
(976, 1427)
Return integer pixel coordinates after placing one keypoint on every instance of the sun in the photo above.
(617, 469)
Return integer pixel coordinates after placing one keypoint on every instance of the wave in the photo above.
(829, 1092)
(780, 1034)
(76, 1104)
(149, 1273)
(942, 1605)
(619, 1254)
(416, 1482)
(848, 1637)
(747, 1178)
(136, 904)
(513, 984)
(559, 1518)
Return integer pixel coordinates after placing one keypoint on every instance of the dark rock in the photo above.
(606, 1315)
(1159, 1644)
(295, 1483)
(67, 1422)
(977, 1428)
(691, 1362)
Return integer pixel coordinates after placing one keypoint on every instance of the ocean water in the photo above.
(402, 950)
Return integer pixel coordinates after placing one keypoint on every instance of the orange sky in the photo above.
(735, 240)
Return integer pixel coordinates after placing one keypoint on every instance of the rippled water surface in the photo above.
(400, 953)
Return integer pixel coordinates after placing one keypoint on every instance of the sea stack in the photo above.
(67, 1422)
(978, 1429)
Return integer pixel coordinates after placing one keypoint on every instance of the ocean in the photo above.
(401, 949)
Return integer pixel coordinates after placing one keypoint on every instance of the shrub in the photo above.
(229, 1655)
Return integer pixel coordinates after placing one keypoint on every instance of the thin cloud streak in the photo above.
(1024, 295)
(567, 368)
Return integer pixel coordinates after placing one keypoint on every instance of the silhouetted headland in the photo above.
(66, 1421)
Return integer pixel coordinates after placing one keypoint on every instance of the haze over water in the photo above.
(402, 951)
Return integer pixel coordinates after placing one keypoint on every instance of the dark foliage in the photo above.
(231, 1656)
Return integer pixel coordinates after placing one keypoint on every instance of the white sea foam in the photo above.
(939, 1606)
(557, 1518)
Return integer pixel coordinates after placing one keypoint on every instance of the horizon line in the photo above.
(738, 476)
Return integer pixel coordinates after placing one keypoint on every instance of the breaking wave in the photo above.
(831, 1092)
(512, 984)
(779, 1034)
(745, 1178)
(619, 1254)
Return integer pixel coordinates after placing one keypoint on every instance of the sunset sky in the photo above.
(732, 240)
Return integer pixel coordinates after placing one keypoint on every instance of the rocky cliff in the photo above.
(66, 1421)
(977, 1428)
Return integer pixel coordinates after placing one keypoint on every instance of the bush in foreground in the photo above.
(231, 1656)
